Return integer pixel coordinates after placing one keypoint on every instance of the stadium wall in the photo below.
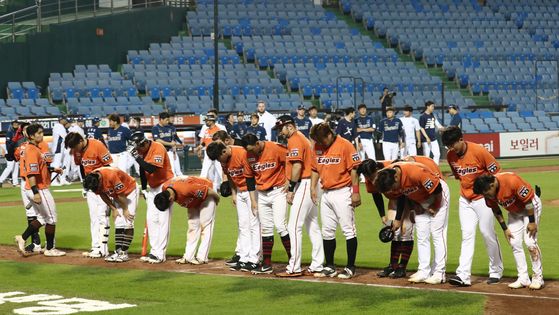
(68, 44)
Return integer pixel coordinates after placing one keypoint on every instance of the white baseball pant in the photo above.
(132, 203)
(249, 230)
(304, 212)
(518, 223)
(335, 208)
(120, 161)
(272, 211)
(62, 160)
(29, 211)
(11, 168)
(159, 224)
(46, 210)
(405, 233)
(176, 162)
(410, 148)
(390, 150)
(99, 222)
(212, 170)
(132, 163)
(432, 147)
(428, 226)
(368, 149)
(201, 223)
(471, 213)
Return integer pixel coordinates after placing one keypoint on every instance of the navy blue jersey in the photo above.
(118, 139)
(239, 130)
(365, 123)
(95, 133)
(165, 133)
(346, 129)
(391, 129)
(303, 125)
(456, 120)
(258, 131)
(427, 122)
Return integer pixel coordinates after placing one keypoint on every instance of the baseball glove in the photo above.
(386, 234)
(225, 189)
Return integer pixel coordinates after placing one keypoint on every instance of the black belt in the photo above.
(273, 188)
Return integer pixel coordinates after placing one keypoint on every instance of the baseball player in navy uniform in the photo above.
(429, 126)
(166, 134)
(303, 123)
(255, 128)
(455, 118)
(346, 127)
(117, 140)
(365, 128)
(240, 127)
(94, 132)
(391, 128)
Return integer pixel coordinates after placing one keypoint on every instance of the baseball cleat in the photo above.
(286, 274)
(520, 283)
(155, 260)
(33, 249)
(385, 272)
(327, 272)
(112, 258)
(20, 245)
(348, 273)
(238, 266)
(54, 253)
(233, 261)
(493, 280)
(263, 269)
(537, 284)
(457, 281)
(435, 279)
(311, 273)
(398, 273)
(144, 258)
(123, 257)
(94, 253)
(248, 267)
(417, 279)
(184, 261)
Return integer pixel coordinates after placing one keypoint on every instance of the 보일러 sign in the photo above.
(489, 140)
(529, 143)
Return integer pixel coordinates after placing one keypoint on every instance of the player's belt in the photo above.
(273, 188)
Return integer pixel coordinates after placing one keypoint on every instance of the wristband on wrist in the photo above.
(531, 218)
(355, 189)
(292, 185)
(34, 189)
(503, 225)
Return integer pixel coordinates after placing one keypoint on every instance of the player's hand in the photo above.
(58, 170)
(127, 215)
(360, 146)
(234, 199)
(508, 235)
(115, 213)
(532, 230)
(402, 145)
(396, 224)
(290, 197)
(199, 153)
(418, 145)
(37, 199)
(428, 141)
(384, 220)
(431, 211)
(285, 187)
(254, 208)
(355, 200)
(314, 196)
(84, 193)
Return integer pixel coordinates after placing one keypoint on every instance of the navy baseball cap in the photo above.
(301, 107)
(95, 120)
(452, 106)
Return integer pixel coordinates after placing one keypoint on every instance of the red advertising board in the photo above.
(490, 141)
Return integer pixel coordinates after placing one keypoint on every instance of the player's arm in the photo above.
(499, 216)
(400, 206)
(314, 185)
(532, 227)
(122, 201)
(422, 123)
(213, 194)
(379, 203)
(296, 168)
(355, 196)
(33, 184)
(143, 178)
(107, 200)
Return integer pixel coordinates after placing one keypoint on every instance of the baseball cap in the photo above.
(210, 116)
(282, 120)
(312, 107)
(452, 106)
(301, 107)
(95, 120)
(408, 108)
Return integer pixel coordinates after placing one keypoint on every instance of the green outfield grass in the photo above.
(73, 228)
(174, 293)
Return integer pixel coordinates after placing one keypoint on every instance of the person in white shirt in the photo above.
(313, 115)
(412, 131)
(73, 169)
(267, 120)
(61, 155)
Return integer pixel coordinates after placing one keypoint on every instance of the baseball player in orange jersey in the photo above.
(468, 161)
(196, 194)
(91, 154)
(119, 191)
(155, 169)
(430, 197)
(38, 176)
(210, 169)
(335, 161)
(303, 210)
(511, 192)
(267, 161)
(235, 164)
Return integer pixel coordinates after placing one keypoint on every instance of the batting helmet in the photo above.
(137, 138)
(225, 189)
(386, 234)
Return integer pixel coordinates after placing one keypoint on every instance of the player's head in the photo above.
(164, 118)
(261, 106)
(15, 125)
(96, 121)
(322, 134)
(362, 109)
(210, 119)
(453, 109)
(301, 110)
(390, 112)
(408, 110)
(91, 182)
(369, 168)
(453, 139)
(164, 199)
(252, 144)
(313, 111)
(223, 136)
(386, 179)
(230, 118)
(139, 140)
(254, 119)
(81, 122)
(218, 151)
(240, 117)
(285, 126)
(486, 185)
(349, 112)
(35, 133)
(429, 107)
(213, 111)
(114, 120)
(75, 142)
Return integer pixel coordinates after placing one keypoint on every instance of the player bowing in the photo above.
(155, 169)
(118, 190)
(511, 192)
(335, 162)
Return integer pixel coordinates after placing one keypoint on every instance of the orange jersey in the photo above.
(299, 150)
(334, 164)
(238, 168)
(269, 167)
(417, 182)
(157, 156)
(513, 193)
(208, 134)
(115, 182)
(190, 191)
(475, 162)
(94, 156)
(371, 187)
(427, 161)
(35, 162)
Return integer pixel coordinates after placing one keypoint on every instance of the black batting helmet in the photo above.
(138, 138)
(386, 234)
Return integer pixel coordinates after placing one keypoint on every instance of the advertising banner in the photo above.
(490, 141)
(515, 144)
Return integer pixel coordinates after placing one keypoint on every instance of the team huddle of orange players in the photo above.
(264, 177)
